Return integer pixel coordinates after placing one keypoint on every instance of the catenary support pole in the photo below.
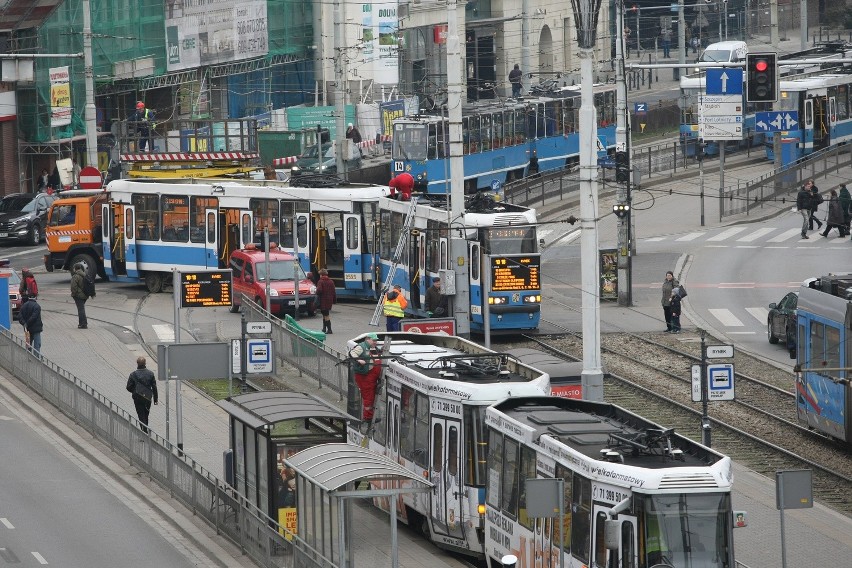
(91, 114)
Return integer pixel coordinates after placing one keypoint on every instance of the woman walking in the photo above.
(326, 296)
(668, 285)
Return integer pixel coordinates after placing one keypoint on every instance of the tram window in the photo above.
(565, 474)
(495, 467)
(499, 138)
(600, 544)
(437, 447)
(265, 213)
(246, 228)
(285, 230)
(432, 246)
(560, 117)
(211, 227)
(444, 254)
(486, 132)
(175, 218)
(407, 412)
(475, 447)
(809, 114)
(628, 549)
(128, 224)
(475, 135)
(453, 451)
(302, 233)
(832, 347)
(551, 111)
(511, 472)
(474, 262)
(527, 472)
(842, 97)
(508, 128)
(520, 126)
(197, 208)
(385, 235)
(432, 146)
(352, 233)
(421, 430)
(147, 216)
(581, 505)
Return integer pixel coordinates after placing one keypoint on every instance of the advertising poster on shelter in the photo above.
(60, 96)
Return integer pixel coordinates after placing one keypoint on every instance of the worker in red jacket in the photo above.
(404, 183)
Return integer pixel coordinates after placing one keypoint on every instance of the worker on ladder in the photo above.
(404, 183)
(394, 308)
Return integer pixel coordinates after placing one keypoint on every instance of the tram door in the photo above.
(626, 555)
(476, 293)
(444, 472)
(112, 234)
(130, 258)
(246, 227)
(808, 133)
(303, 247)
(353, 261)
(211, 238)
(832, 120)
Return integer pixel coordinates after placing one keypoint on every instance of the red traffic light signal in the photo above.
(761, 78)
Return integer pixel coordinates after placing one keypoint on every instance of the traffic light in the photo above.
(622, 168)
(762, 79)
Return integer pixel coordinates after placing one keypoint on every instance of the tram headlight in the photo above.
(495, 300)
(480, 509)
(534, 299)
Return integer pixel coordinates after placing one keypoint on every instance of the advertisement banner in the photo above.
(380, 40)
(388, 112)
(60, 96)
(609, 274)
(216, 31)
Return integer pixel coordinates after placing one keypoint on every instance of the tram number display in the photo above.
(609, 493)
(446, 407)
(515, 273)
(207, 289)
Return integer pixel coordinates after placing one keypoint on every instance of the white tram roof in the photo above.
(503, 214)
(457, 368)
(245, 188)
(815, 82)
(579, 431)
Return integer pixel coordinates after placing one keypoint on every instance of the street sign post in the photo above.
(720, 381)
(721, 81)
(720, 351)
(90, 178)
(720, 117)
(258, 327)
(776, 121)
(696, 383)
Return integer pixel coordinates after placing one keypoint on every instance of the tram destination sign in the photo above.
(205, 289)
(515, 273)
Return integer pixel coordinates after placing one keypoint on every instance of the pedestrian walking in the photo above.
(816, 201)
(30, 318)
(143, 386)
(667, 41)
(674, 304)
(668, 285)
(326, 296)
(78, 293)
(352, 133)
(696, 43)
(394, 308)
(28, 286)
(515, 76)
(436, 303)
(845, 199)
(835, 219)
(367, 370)
(803, 206)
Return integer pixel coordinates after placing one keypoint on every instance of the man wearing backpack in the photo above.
(78, 292)
(28, 284)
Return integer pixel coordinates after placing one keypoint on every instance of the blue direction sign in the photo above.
(639, 108)
(776, 121)
(724, 81)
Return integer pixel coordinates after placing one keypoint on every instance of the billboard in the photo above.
(215, 31)
(380, 40)
(60, 96)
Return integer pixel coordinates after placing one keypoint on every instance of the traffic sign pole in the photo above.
(705, 419)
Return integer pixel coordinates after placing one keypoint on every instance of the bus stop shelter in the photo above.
(328, 477)
(267, 427)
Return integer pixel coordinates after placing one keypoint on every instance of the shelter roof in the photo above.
(266, 408)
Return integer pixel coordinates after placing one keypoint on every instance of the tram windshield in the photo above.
(688, 530)
(509, 240)
(279, 270)
(409, 141)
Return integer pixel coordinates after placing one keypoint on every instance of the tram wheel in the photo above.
(154, 282)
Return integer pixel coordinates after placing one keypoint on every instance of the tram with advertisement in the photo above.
(146, 230)
(823, 392)
(501, 256)
(429, 417)
(501, 142)
(611, 489)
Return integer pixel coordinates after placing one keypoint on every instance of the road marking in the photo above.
(760, 314)
(165, 332)
(40, 558)
(740, 333)
(6, 523)
(747, 246)
(754, 235)
(727, 234)
(690, 237)
(736, 285)
(726, 318)
(786, 235)
(654, 239)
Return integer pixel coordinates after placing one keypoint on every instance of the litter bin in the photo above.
(305, 338)
(789, 151)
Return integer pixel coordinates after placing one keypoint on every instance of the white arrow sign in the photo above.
(790, 122)
(724, 78)
(762, 125)
(777, 122)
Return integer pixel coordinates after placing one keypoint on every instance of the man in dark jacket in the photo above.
(436, 303)
(816, 200)
(326, 297)
(143, 385)
(30, 318)
(78, 293)
(803, 206)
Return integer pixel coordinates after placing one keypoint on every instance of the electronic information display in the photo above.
(207, 289)
(515, 273)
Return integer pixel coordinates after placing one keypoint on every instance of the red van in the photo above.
(250, 270)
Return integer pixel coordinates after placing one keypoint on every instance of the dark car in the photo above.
(781, 322)
(23, 216)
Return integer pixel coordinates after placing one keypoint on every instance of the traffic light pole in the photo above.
(622, 168)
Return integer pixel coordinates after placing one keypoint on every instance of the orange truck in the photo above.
(74, 232)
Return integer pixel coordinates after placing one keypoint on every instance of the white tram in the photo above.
(430, 417)
(660, 499)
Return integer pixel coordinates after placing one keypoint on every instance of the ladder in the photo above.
(397, 256)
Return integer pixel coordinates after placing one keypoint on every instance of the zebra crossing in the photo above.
(753, 237)
(741, 323)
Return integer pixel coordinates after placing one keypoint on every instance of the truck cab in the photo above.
(73, 232)
(250, 272)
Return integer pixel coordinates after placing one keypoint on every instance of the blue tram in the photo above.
(501, 142)
(823, 393)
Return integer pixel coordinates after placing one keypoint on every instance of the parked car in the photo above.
(249, 279)
(14, 288)
(309, 161)
(23, 216)
(781, 322)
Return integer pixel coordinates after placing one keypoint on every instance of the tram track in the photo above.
(653, 385)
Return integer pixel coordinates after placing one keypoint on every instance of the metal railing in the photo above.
(216, 502)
